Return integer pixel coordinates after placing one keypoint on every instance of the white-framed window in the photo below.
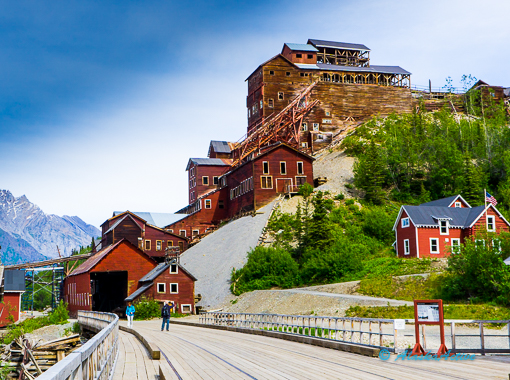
(161, 287)
(182, 233)
(455, 245)
(207, 203)
(270, 103)
(265, 167)
(205, 180)
(159, 245)
(434, 245)
(174, 268)
(283, 167)
(304, 127)
(406, 247)
(327, 121)
(195, 232)
(266, 182)
(315, 126)
(496, 243)
(147, 245)
(458, 204)
(186, 308)
(215, 180)
(444, 227)
(405, 222)
(479, 243)
(174, 288)
(491, 223)
(300, 167)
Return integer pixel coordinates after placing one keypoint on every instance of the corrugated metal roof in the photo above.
(94, 260)
(158, 219)
(338, 45)
(445, 202)
(301, 47)
(138, 292)
(153, 274)
(209, 162)
(14, 280)
(372, 69)
(220, 146)
(427, 215)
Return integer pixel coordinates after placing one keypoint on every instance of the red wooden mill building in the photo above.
(436, 228)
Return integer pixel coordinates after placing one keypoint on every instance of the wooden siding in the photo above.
(480, 227)
(199, 172)
(444, 241)
(10, 308)
(186, 289)
(291, 55)
(77, 293)
(406, 233)
(244, 202)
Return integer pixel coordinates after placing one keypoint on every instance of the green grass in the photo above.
(412, 288)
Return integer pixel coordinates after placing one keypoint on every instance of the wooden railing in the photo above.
(95, 359)
(372, 332)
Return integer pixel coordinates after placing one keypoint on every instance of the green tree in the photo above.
(369, 173)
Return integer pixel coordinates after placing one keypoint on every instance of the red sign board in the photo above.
(428, 312)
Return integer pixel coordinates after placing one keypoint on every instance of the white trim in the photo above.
(170, 269)
(285, 164)
(164, 288)
(408, 247)
(417, 243)
(463, 200)
(403, 208)
(447, 227)
(459, 204)
(396, 241)
(452, 245)
(174, 283)
(430, 246)
(184, 233)
(402, 222)
(186, 305)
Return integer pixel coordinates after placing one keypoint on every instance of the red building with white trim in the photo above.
(435, 228)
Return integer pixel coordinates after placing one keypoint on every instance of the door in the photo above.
(283, 185)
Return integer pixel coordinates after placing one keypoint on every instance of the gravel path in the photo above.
(212, 260)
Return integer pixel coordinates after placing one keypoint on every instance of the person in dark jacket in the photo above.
(165, 314)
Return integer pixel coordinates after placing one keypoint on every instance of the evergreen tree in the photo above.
(369, 173)
(472, 190)
(320, 233)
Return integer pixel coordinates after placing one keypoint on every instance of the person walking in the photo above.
(130, 313)
(165, 314)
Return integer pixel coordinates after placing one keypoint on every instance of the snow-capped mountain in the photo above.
(25, 221)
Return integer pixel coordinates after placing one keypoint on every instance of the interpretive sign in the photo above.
(428, 312)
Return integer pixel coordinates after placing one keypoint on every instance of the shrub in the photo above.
(146, 308)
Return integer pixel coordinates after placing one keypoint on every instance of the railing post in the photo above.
(380, 334)
(424, 337)
(482, 340)
(453, 335)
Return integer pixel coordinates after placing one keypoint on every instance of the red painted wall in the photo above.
(10, 306)
(199, 172)
(77, 293)
(424, 235)
(406, 233)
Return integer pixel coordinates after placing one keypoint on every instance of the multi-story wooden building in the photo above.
(349, 88)
(203, 174)
(135, 228)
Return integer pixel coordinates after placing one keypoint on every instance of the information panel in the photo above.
(428, 312)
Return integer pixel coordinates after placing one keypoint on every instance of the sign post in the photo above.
(428, 312)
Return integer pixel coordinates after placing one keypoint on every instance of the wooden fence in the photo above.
(95, 359)
(491, 336)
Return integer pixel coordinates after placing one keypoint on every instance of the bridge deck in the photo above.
(134, 361)
(199, 353)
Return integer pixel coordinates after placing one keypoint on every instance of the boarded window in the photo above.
(181, 246)
(270, 103)
(186, 308)
(266, 182)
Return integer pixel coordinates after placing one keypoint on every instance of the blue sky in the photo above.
(103, 102)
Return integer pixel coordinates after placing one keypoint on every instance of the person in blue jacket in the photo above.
(165, 314)
(130, 313)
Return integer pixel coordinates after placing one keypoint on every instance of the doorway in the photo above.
(109, 289)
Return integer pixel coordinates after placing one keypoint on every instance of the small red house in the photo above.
(168, 282)
(435, 228)
(141, 230)
(10, 295)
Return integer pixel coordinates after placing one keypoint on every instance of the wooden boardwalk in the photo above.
(200, 353)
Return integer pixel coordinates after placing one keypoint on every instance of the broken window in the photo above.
(315, 126)
(159, 245)
(280, 96)
(270, 103)
(304, 127)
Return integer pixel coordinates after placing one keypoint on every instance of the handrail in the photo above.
(95, 359)
(360, 331)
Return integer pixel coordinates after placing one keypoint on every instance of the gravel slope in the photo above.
(211, 261)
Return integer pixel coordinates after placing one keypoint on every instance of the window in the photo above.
(315, 126)
(249, 112)
(406, 247)
(271, 72)
(172, 231)
(186, 308)
(434, 245)
(182, 233)
(496, 243)
(140, 243)
(220, 204)
(405, 222)
(443, 227)
(300, 168)
(304, 127)
(455, 245)
(147, 245)
(195, 232)
(174, 288)
(169, 243)
(309, 56)
(327, 121)
(207, 203)
(159, 245)
(266, 182)
(479, 243)
(161, 287)
(270, 103)
(174, 269)
(283, 167)
(302, 74)
(299, 55)
(328, 113)
(458, 204)
(261, 104)
(181, 245)
(304, 145)
(205, 181)
(287, 74)
(280, 96)
(265, 167)
(491, 223)
(215, 180)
